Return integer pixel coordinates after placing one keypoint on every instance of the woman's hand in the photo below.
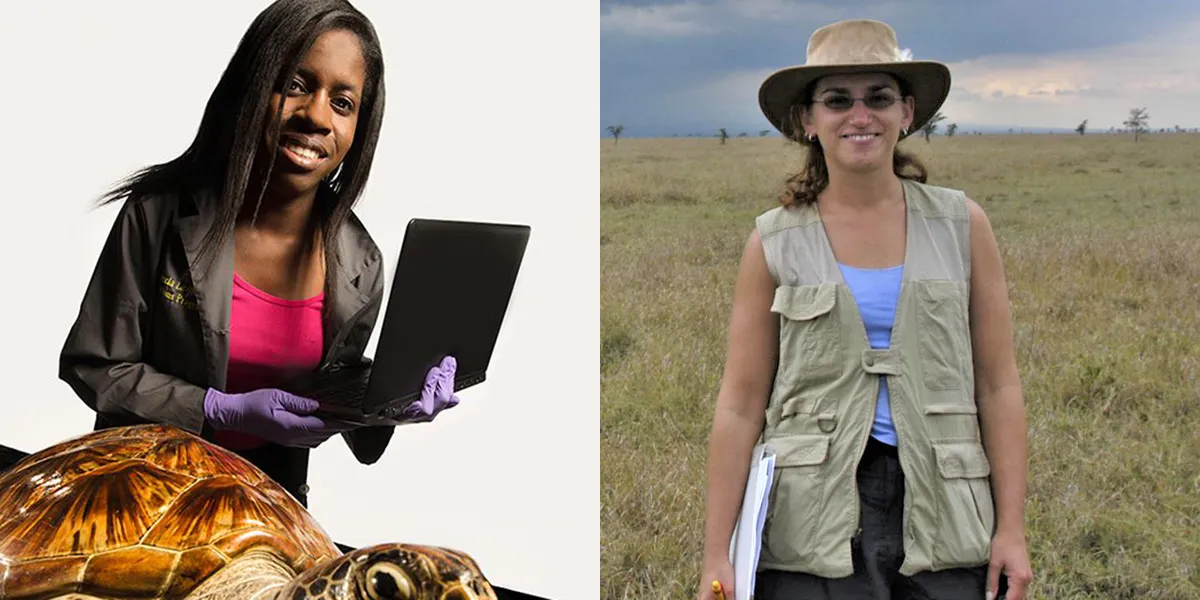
(1011, 559)
(271, 414)
(436, 396)
(720, 571)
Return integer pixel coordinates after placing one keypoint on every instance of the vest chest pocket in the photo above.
(944, 333)
(810, 338)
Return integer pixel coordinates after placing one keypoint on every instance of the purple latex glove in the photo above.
(271, 414)
(436, 396)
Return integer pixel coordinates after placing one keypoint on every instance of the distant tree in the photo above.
(1082, 128)
(742, 134)
(763, 132)
(616, 130)
(723, 135)
(1137, 121)
(953, 127)
(931, 125)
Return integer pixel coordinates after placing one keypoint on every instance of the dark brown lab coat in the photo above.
(152, 332)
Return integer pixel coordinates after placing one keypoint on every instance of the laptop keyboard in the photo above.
(346, 387)
(350, 394)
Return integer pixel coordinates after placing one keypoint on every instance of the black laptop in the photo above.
(449, 297)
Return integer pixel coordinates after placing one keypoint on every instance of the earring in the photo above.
(904, 131)
(333, 177)
(812, 137)
(331, 180)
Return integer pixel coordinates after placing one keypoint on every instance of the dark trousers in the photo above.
(286, 466)
(879, 550)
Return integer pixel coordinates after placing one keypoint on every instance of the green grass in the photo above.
(1101, 244)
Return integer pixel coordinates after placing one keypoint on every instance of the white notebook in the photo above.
(746, 543)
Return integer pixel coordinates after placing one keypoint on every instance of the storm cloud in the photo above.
(693, 66)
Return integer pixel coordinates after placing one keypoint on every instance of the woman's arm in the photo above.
(101, 358)
(997, 383)
(741, 402)
(1001, 406)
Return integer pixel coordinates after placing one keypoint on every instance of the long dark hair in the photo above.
(221, 158)
(804, 187)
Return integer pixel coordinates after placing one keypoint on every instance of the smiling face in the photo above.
(858, 135)
(320, 114)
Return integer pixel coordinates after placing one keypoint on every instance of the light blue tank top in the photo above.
(876, 292)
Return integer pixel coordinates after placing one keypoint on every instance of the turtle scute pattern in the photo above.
(145, 511)
(151, 511)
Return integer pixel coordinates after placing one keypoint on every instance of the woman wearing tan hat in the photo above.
(870, 346)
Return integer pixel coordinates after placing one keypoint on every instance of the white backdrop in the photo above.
(489, 117)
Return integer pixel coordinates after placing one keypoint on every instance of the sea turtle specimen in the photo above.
(152, 511)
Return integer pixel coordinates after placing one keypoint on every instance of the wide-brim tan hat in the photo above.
(855, 46)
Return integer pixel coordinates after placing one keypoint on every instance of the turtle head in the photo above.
(393, 572)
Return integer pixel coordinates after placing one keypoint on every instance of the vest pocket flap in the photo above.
(951, 408)
(800, 450)
(962, 460)
(942, 290)
(804, 302)
(795, 406)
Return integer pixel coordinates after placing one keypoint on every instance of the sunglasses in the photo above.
(874, 101)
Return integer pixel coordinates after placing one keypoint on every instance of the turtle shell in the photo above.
(142, 511)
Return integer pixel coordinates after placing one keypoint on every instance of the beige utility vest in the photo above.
(823, 398)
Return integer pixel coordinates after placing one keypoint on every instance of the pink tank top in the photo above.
(270, 340)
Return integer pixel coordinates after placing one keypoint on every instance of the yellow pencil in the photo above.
(718, 590)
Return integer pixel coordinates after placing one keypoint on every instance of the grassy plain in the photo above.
(1101, 244)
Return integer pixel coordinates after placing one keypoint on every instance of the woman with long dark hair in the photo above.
(240, 264)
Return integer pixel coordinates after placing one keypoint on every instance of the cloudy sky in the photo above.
(693, 66)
